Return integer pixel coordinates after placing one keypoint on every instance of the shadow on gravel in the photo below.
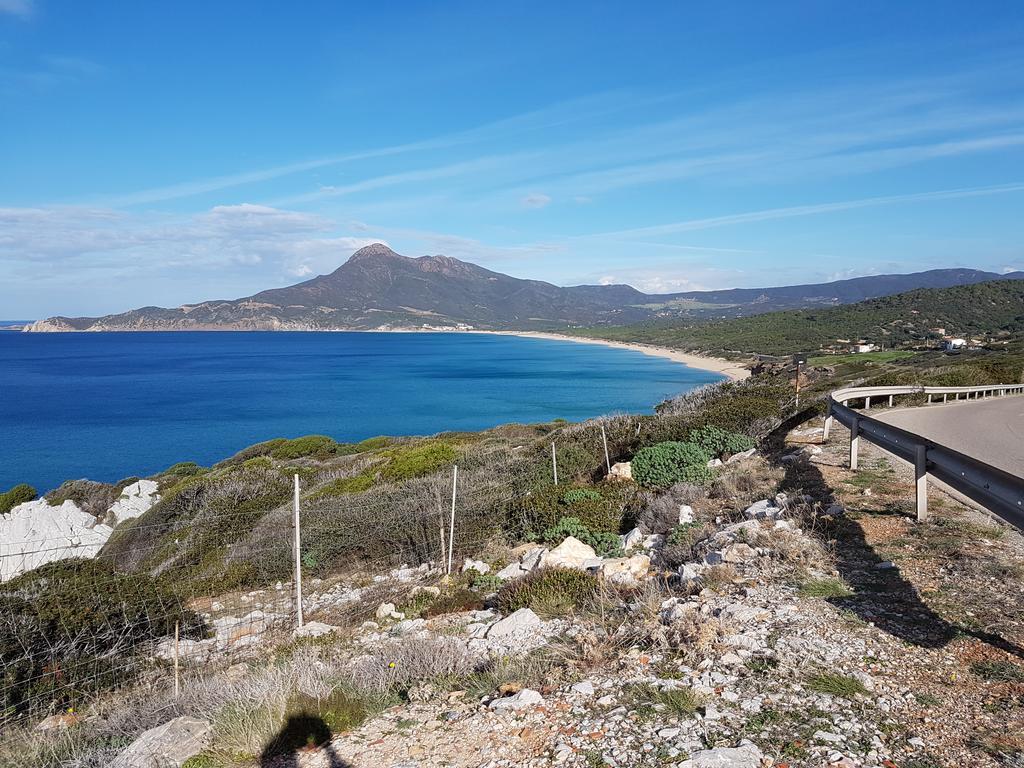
(881, 593)
(299, 733)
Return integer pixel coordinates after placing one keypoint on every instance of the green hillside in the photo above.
(993, 309)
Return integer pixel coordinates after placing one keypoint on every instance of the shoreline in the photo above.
(732, 370)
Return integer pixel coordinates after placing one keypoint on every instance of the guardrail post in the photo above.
(890, 400)
(929, 398)
(854, 442)
(921, 481)
(867, 403)
(828, 422)
(945, 397)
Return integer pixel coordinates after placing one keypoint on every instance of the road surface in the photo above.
(991, 430)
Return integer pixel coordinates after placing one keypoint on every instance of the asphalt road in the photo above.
(990, 430)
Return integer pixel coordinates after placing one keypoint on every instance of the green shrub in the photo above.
(419, 460)
(683, 534)
(836, 685)
(454, 601)
(315, 446)
(185, 469)
(998, 671)
(19, 494)
(90, 496)
(548, 592)
(604, 543)
(258, 462)
(665, 464)
(76, 626)
(546, 506)
(577, 495)
(370, 444)
(717, 441)
(346, 485)
(486, 583)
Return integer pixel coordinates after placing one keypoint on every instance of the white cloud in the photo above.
(535, 200)
(21, 8)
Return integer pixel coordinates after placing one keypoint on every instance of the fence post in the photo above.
(554, 463)
(854, 442)
(921, 481)
(828, 422)
(298, 557)
(177, 687)
(451, 529)
(604, 439)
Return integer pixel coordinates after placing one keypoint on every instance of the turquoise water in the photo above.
(109, 405)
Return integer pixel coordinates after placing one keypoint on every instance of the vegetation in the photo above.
(720, 442)
(316, 446)
(827, 587)
(19, 494)
(76, 626)
(549, 592)
(836, 685)
(665, 464)
(418, 460)
(905, 318)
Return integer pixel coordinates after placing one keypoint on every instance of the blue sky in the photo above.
(163, 153)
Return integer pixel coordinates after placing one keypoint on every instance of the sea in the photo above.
(106, 406)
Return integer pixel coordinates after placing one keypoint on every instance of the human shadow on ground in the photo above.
(881, 594)
(301, 732)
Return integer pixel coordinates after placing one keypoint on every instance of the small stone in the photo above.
(525, 698)
(668, 733)
(685, 514)
(384, 610)
(523, 619)
(828, 737)
(586, 688)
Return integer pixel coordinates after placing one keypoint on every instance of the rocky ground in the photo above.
(820, 626)
(904, 651)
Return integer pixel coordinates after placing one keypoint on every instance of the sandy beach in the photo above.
(729, 368)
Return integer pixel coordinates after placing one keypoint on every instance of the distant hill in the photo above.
(990, 309)
(378, 288)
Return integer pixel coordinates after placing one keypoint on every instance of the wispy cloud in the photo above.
(20, 8)
(771, 214)
(535, 200)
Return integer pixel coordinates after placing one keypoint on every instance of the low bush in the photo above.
(19, 494)
(313, 446)
(418, 460)
(578, 495)
(310, 721)
(836, 685)
(666, 464)
(346, 485)
(454, 601)
(548, 592)
(90, 496)
(185, 469)
(604, 544)
(76, 626)
(614, 506)
(719, 442)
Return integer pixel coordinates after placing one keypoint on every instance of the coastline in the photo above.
(729, 368)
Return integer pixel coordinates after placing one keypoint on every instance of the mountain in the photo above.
(378, 288)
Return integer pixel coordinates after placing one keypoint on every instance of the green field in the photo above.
(882, 356)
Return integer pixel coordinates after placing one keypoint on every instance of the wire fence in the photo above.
(211, 581)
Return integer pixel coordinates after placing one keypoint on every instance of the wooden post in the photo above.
(607, 460)
(298, 558)
(554, 463)
(451, 529)
(177, 687)
(854, 442)
(921, 482)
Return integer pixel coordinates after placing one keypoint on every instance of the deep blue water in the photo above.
(110, 405)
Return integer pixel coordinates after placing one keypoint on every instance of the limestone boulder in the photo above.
(626, 570)
(166, 746)
(571, 553)
(135, 500)
(622, 471)
(35, 533)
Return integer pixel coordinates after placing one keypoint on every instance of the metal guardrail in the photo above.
(998, 491)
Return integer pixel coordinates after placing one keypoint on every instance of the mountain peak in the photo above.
(373, 251)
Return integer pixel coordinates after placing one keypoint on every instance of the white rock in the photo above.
(685, 514)
(522, 620)
(739, 553)
(741, 456)
(314, 629)
(475, 565)
(135, 500)
(571, 553)
(764, 510)
(828, 737)
(586, 688)
(533, 558)
(625, 570)
(744, 756)
(525, 698)
(384, 610)
(511, 571)
(623, 470)
(631, 540)
(35, 533)
(166, 746)
(714, 463)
